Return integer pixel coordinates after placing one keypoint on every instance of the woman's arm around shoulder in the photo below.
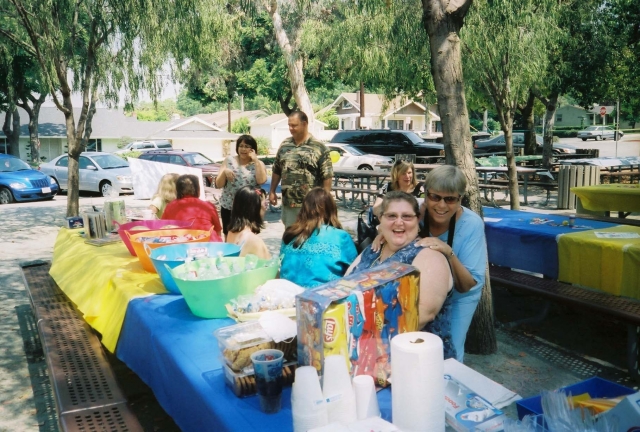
(435, 283)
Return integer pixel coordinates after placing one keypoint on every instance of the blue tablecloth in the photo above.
(176, 354)
(516, 242)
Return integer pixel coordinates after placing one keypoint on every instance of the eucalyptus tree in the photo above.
(507, 51)
(21, 85)
(94, 48)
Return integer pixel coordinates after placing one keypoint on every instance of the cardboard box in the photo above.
(357, 316)
(465, 411)
(596, 387)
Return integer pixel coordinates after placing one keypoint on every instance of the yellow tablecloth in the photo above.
(100, 281)
(609, 197)
(611, 265)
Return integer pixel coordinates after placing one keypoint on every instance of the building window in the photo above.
(346, 105)
(395, 124)
(4, 146)
(94, 145)
(558, 118)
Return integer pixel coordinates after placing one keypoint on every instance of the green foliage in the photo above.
(264, 144)
(329, 117)
(129, 154)
(240, 126)
(160, 111)
(123, 141)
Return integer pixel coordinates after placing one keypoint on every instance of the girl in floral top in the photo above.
(239, 171)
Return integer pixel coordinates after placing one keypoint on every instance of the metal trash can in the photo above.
(571, 176)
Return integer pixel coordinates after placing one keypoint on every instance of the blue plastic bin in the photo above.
(596, 387)
(176, 253)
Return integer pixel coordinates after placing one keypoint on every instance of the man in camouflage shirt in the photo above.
(302, 163)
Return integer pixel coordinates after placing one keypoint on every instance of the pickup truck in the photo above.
(389, 142)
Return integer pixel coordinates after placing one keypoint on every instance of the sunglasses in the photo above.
(447, 199)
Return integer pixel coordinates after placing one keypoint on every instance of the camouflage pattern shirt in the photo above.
(301, 168)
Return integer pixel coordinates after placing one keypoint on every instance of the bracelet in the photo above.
(451, 255)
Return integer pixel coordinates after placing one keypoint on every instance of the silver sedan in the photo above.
(599, 133)
(99, 172)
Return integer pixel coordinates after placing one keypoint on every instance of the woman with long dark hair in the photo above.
(316, 249)
(247, 216)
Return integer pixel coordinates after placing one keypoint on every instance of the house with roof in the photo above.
(579, 118)
(220, 119)
(275, 128)
(398, 113)
(110, 127)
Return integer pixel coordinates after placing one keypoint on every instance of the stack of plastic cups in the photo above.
(366, 397)
(308, 407)
(338, 390)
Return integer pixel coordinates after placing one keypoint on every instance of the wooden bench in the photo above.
(492, 188)
(355, 193)
(548, 186)
(85, 389)
(624, 309)
(616, 176)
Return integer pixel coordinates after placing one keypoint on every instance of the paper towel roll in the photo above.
(417, 374)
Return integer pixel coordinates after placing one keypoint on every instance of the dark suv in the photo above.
(209, 168)
(388, 142)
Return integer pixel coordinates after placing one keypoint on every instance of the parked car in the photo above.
(599, 133)
(99, 172)
(351, 157)
(145, 146)
(209, 168)
(386, 142)
(20, 182)
(497, 145)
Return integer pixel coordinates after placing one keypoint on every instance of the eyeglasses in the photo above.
(392, 217)
(448, 199)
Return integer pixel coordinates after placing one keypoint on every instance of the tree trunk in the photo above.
(512, 173)
(11, 129)
(229, 115)
(485, 121)
(477, 340)
(362, 107)
(551, 105)
(443, 23)
(530, 145)
(293, 62)
(34, 115)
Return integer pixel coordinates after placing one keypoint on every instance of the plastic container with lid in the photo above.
(239, 341)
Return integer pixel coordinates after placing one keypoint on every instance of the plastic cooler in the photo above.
(596, 387)
(148, 225)
(175, 254)
(141, 247)
(207, 298)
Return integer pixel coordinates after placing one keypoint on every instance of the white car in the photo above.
(351, 157)
(99, 172)
(599, 133)
(145, 146)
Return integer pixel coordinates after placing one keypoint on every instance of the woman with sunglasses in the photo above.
(403, 178)
(247, 219)
(458, 234)
(399, 227)
(245, 169)
(315, 248)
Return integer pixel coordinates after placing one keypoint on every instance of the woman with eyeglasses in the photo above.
(403, 178)
(457, 233)
(399, 228)
(247, 220)
(315, 248)
(244, 169)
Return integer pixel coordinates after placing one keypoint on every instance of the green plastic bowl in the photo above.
(207, 298)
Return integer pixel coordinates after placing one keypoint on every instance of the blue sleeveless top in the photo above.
(441, 324)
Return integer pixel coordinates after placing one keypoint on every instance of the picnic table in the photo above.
(496, 161)
(361, 185)
(623, 198)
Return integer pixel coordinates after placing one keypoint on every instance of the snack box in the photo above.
(357, 316)
(596, 387)
(244, 384)
(465, 411)
(237, 342)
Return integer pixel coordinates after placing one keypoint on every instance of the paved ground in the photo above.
(566, 348)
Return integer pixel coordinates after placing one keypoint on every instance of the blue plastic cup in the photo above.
(267, 365)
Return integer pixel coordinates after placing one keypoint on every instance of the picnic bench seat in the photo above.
(341, 192)
(621, 308)
(85, 389)
(492, 188)
(616, 176)
(548, 185)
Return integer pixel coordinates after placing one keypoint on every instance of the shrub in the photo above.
(264, 144)
(129, 154)
(240, 126)
(329, 117)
